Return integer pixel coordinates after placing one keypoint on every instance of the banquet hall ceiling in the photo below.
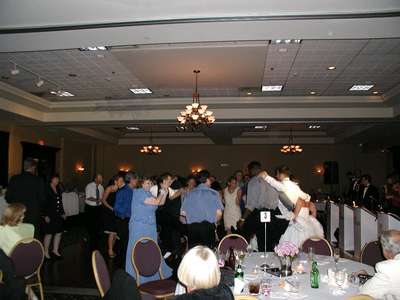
(235, 47)
(227, 69)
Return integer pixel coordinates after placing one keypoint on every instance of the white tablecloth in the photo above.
(324, 292)
(3, 205)
(70, 203)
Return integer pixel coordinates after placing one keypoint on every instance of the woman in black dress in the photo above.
(108, 216)
(54, 217)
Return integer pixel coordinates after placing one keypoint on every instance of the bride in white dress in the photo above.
(303, 223)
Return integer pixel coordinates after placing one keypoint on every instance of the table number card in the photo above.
(265, 216)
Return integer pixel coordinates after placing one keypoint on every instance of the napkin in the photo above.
(238, 287)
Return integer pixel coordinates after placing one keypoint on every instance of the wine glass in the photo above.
(336, 257)
(310, 253)
(221, 259)
(340, 278)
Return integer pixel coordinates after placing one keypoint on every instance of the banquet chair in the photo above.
(321, 246)
(27, 256)
(371, 253)
(101, 274)
(146, 259)
(235, 241)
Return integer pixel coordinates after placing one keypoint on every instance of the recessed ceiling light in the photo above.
(286, 41)
(375, 92)
(132, 128)
(94, 48)
(258, 127)
(361, 87)
(272, 88)
(314, 126)
(141, 91)
(331, 68)
(15, 70)
(312, 93)
(61, 93)
(39, 83)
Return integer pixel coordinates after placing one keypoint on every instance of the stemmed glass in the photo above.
(311, 254)
(221, 259)
(336, 257)
(340, 278)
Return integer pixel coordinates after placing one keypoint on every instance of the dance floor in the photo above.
(72, 277)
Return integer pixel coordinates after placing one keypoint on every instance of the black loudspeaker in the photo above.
(331, 172)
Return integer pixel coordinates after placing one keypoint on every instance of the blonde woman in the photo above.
(199, 273)
(12, 228)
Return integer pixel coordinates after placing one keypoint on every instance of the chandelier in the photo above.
(150, 149)
(291, 148)
(195, 115)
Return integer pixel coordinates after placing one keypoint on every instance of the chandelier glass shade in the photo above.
(150, 149)
(291, 147)
(195, 115)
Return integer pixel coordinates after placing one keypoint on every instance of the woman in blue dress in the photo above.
(143, 224)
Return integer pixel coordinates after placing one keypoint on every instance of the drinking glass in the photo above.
(265, 287)
(221, 259)
(340, 278)
(242, 255)
(310, 253)
(254, 287)
(336, 257)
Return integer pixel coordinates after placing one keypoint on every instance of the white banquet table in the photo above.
(324, 291)
(70, 203)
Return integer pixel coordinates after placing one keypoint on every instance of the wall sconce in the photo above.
(124, 169)
(41, 142)
(319, 170)
(196, 170)
(79, 168)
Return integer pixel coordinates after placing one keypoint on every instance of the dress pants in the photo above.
(201, 234)
(92, 216)
(123, 234)
(275, 229)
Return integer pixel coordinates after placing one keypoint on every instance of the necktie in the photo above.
(97, 193)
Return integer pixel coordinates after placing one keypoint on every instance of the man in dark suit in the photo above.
(369, 193)
(27, 188)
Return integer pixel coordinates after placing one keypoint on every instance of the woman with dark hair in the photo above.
(54, 217)
(108, 216)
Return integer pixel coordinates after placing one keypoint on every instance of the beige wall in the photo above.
(180, 159)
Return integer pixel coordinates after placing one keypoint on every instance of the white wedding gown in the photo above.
(302, 228)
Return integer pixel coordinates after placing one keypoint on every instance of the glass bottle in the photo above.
(231, 259)
(314, 275)
(239, 272)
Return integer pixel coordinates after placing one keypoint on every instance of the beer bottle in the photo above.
(231, 259)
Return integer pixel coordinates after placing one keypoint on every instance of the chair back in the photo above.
(101, 274)
(236, 241)
(27, 256)
(146, 258)
(320, 246)
(371, 254)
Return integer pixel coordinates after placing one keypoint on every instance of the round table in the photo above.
(252, 263)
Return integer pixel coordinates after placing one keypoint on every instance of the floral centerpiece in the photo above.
(286, 251)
